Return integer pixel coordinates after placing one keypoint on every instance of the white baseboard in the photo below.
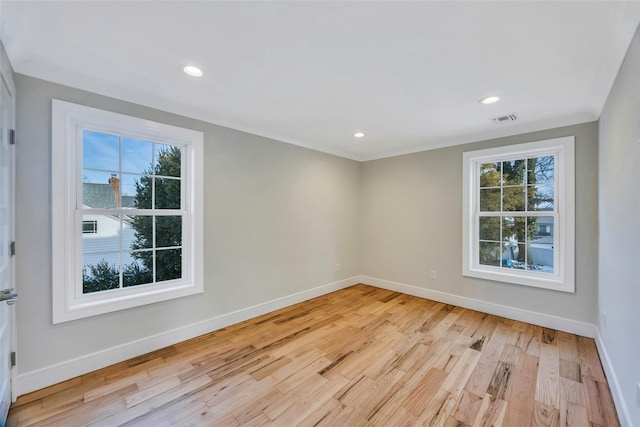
(614, 385)
(34, 380)
(546, 320)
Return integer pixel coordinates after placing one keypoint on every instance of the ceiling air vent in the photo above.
(504, 119)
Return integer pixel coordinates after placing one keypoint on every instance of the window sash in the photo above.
(477, 240)
(184, 247)
(132, 134)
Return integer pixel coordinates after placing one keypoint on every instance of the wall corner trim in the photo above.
(546, 320)
(612, 380)
(35, 380)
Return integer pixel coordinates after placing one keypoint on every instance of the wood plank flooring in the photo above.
(361, 356)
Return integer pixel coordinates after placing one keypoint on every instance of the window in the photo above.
(518, 214)
(126, 212)
(89, 227)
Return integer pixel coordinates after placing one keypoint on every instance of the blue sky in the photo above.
(102, 151)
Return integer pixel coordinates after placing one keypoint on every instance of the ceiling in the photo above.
(407, 74)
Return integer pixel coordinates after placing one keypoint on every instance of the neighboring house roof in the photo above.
(100, 196)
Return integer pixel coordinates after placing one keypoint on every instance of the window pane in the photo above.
(489, 253)
(168, 264)
(167, 193)
(167, 160)
(490, 228)
(100, 272)
(540, 197)
(490, 175)
(513, 199)
(490, 200)
(137, 156)
(513, 255)
(137, 232)
(100, 151)
(513, 172)
(541, 229)
(540, 257)
(136, 191)
(107, 235)
(137, 268)
(168, 231)
(513, 235)
(513, 229)
(540, 245)
(540, 170)
(97, 191)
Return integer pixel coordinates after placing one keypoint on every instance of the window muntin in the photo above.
(111, 170)
(519, 213)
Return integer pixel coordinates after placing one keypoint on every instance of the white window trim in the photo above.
(68, 304)
(563, 278)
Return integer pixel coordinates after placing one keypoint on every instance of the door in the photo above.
(7, 293)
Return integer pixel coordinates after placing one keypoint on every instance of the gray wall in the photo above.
(277, 220)
(619, 188)
(412, 223)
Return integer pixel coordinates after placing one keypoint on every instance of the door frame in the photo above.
(6, 74)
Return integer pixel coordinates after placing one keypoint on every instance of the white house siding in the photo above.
(105, 243)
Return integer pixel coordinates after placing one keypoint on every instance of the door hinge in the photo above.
(12, 358)
(12, 136)
(12, 248)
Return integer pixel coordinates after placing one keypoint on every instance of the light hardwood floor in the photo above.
(361, 356)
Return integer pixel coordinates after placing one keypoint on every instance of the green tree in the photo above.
(100, 277)
(103, 276)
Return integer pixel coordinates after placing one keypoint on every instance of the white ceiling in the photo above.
(407, 74)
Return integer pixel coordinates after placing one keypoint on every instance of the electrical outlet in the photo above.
(433, 275)
(338, 267)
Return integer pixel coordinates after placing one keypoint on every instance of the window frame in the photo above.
(68, 122)
(563, 150)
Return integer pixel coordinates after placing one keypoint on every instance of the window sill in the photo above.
(537, 280)
(93, 305)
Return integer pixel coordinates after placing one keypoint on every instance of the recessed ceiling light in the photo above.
(490, 99)
(358, 134)
(193, 71)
